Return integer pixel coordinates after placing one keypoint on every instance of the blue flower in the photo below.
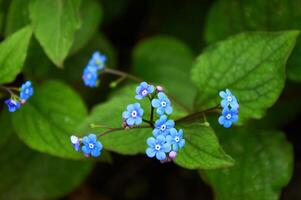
(228, 99)
(90, 76)
(228, 117)
(143, 90)
(162, 104)
(26, 90)
(175, 138)
(75, 142)
(133, 114)
(157, 147)
(97, 61)
(162, 126)
(91, 145)
(12, 105)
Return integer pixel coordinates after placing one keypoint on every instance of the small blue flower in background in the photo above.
(162, 126)
(91, 145)
(133, 114)
(75, 142)
(97, 61)
(157, 147)
(143, 90)
(162, 104)
(175, 138)
(26, 90)
(228, 99)
(12, 105)
(90, 76)
(228, 117)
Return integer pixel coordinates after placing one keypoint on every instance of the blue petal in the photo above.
(150, 152)
(156, 103)
(130, 121)
(95, 152)
(130, 107)
(168, 110)
(98, 145)
(173, 132)
(86, 140)
(221, 120)
(161, 95)
(160, 111)
(92, 137)
(86, 150)
(224, 103)
(151, 89)
(144, 84)
(180, 133)
(181, 143)
(169, 139)
(170, 123)
(234, 118)
(175, 147)
(156, 132)
(160, 155)
(222, 94)
(151, 141)
(138, 120)
(138, 96)
(140, 112)
(227, 124)
(161, 139)
(166, 147)
(126, 114)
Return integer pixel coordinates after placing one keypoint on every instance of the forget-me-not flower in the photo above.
(90, 76)
(162, 104)
(12, 105)
(97, 61)
(143, 90)
(228, 99)
(26, 90)
(162, 126)
(75, 141)
(133, 114)
(229, 116)
(157, 147)
(175, 138)
(91, 145)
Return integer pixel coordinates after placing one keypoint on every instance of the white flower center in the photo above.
(177, 139)
(144, 92)
(134, 113)
(228, 116)
(157, 147)
(163, 103)
(97, 62)
(91, 146)
(163, 127)
(229, 98)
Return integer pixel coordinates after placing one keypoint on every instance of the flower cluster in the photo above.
(166, 140)
(15, 101)
(95, 64)
(230, 109)
(88, 145)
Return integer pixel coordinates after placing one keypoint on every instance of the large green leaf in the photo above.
(54, 25)
(167, 62)
(251, 65)
(26, 174)
(91, 15)
(229, 17)
(263, 165)
(13, 52)
(202, 149)
(17, 16)
(130, 141)
(47, 120)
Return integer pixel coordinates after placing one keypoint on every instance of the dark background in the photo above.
(126, 22)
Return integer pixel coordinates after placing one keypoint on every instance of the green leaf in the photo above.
(230, 17)
(91, 15)
(202, 149)
(54, 24)
(17, 16)
(251, 65)
(263, 165)
(13, 52)
(127, 142)
(5, 126)
(47, 120)
(167, 62)
(26, 174)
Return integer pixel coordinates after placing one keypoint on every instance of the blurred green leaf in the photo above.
(47, 120)
(167, 62)
(17, 16)
(230, 17)
(202, 149)
(54, 24)
(251, 65)
(91, 15)
(5, 126)
(13, 52)
(26, 174)
(263, 165)
(130, 141)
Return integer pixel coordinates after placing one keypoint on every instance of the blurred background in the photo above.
(122, 25)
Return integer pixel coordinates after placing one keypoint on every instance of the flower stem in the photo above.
(197, 115)
(120, 129)
(7, 89)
